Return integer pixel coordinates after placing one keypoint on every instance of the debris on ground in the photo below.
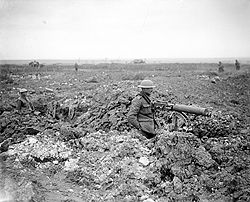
(78, 146)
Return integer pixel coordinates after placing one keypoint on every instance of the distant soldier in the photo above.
(220, 67)
(76, 67)
(23, 101)
(31, 64)
(36, 64)
(237, 65)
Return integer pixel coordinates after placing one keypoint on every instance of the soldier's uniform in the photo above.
(220, 67)
(237, 65)
(76, 67)
(23, 101)
(141, 116)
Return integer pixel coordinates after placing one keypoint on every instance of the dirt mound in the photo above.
(108, 107)
(15, 127)
(118, 166)
(233, 95)
(105, 165)
(187, 170)
(219, 125)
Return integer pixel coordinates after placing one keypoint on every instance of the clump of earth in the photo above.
(78, 145)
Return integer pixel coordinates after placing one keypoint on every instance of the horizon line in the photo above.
(129, 58)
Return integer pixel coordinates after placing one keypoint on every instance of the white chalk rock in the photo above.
(144, 160)
(149, 200)
(71, 164)
(32, 140)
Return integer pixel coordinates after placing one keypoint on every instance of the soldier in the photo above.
(36, 64)
(23, 101)
(237, 65)
(141, 114)
(220, 67)
(76, 67)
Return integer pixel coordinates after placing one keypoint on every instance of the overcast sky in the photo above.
(118, 29)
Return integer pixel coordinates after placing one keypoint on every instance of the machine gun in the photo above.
(179, 113)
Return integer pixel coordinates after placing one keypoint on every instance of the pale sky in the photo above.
(119, 29)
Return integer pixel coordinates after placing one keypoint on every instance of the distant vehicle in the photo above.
(138, 61)
(34, 64)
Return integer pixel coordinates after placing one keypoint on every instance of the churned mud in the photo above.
(78, 146)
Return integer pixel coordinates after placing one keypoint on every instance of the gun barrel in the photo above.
(191, 109)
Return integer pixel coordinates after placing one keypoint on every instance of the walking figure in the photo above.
(76, 67)
(220, 67)
(237, 65)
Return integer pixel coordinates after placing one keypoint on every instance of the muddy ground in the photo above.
(77, 145)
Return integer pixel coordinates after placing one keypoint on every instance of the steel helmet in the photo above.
(146, 84)
(23, 90)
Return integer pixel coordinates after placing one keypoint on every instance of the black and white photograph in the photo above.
(124, 100)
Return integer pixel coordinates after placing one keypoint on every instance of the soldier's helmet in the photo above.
(146, 84)
(23, 90)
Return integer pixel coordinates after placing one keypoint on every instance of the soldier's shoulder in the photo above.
(137, 98)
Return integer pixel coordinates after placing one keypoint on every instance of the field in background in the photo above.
(242, 60)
